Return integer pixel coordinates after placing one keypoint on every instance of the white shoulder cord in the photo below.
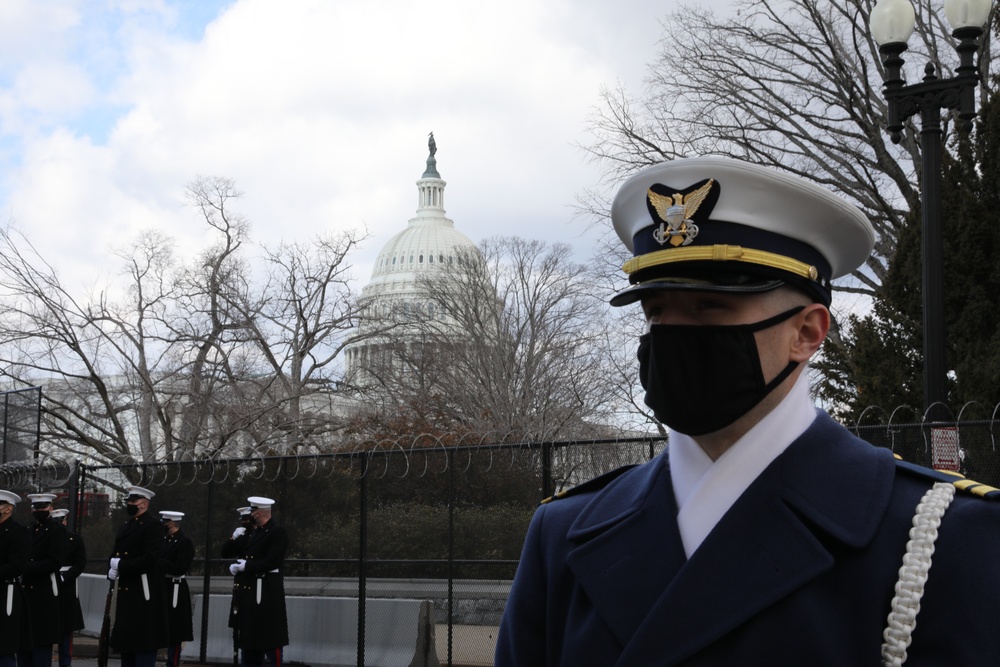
(913, 574)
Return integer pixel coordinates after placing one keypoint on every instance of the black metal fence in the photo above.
(373, 522)
(969, 447)
(383, 518)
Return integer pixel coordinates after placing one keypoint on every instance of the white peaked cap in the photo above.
(260, 502)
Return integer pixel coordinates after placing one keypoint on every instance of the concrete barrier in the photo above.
(322, 630)
(93, 594)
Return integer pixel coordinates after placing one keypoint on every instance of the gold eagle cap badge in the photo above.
(675, 213)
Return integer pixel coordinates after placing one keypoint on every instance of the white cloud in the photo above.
(318, 109)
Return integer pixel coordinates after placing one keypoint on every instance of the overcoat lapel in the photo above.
(630, 547)
(758, 553)
(763, 549)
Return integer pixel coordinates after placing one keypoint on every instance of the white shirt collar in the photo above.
(705, 490)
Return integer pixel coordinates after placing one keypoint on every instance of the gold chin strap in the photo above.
(721, 253)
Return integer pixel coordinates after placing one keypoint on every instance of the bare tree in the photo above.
(795, 84)
(182, 359)
(305, 319)
(505, 341)
(97, 365)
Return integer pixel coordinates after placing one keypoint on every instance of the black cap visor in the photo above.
(637, 292)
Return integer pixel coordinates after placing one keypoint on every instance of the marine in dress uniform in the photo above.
(15, 550)
(175, 561)
(41, 580)
(765, 533)
(261, 619)
(140, 626)
(236, 547)
(71, 612)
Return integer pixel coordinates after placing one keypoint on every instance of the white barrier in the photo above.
(322, 630)
(93, 594)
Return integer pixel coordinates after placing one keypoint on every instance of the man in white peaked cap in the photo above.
(261, 621)
(236, 547)
(765, 533)
(175, 561)
(70, 610)
(140, 627)
(15, 550)
(41, 580)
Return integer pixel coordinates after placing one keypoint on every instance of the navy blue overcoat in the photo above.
(800, 571)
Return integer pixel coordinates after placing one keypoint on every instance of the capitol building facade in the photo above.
(394, 295)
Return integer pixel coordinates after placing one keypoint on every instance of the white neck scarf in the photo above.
(706, 489)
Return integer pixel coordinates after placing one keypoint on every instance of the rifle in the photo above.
(109, 609)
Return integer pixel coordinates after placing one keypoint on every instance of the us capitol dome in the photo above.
(429, 242)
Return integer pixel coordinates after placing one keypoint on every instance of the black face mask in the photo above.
(700, 379)
(132, 509)
(41, 516)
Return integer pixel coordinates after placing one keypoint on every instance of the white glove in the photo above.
(113, 573)
(237, 567)
(239, 532)
(114, 563)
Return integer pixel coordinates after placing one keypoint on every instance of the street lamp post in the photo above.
(891, 23)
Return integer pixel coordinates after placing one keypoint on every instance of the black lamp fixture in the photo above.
(891, 23)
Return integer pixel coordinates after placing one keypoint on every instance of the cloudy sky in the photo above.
(318, 109)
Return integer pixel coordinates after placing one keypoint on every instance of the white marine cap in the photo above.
(724, 225)
(9, 497)
(140, 492)
(171, 516)
(41, 498)
(260, 503)
(58, 514)
(244, 510)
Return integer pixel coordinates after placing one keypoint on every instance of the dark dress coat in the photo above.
(141, 612)
(175, 561)
(41, 580)
(235, 548)
(800, 571)
(69, 592)
(15, 549)
(260, 590)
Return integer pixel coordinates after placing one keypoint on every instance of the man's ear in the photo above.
(812, 325)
